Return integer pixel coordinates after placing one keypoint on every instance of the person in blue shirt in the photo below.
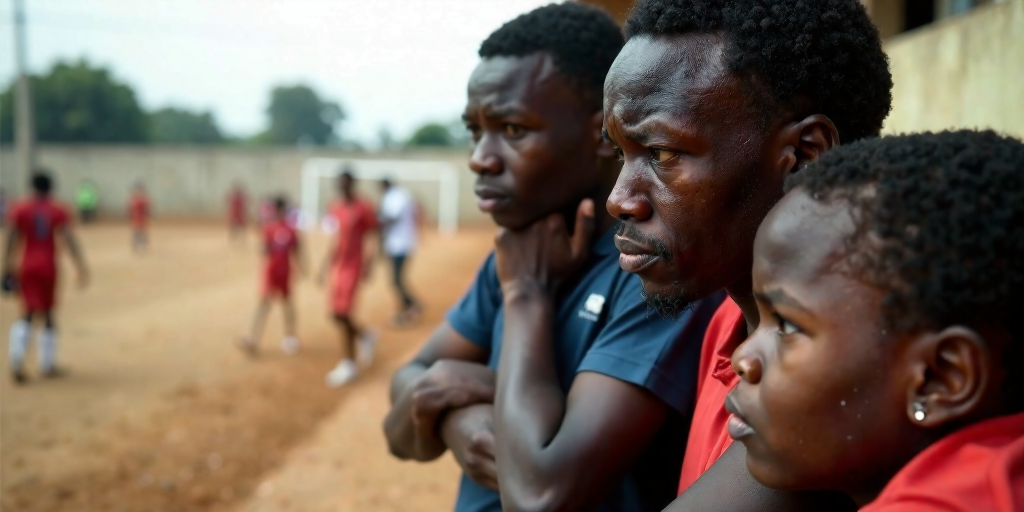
(552, 383)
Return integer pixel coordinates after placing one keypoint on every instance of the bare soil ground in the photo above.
(160, 412)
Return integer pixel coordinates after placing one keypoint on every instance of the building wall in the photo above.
(192, 182)
(965, 71)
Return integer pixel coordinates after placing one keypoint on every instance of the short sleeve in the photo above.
(474, 315)
(642, 348)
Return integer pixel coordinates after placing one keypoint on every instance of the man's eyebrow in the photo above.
(502, 111)
(778, 296)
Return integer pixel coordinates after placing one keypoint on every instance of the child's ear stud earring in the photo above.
(919, 411)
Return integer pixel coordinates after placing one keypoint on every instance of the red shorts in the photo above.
(277, 285)
(344, 283)
(38, 289)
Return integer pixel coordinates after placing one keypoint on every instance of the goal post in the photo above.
(315, 170)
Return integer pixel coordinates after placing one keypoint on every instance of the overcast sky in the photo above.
(394, 63)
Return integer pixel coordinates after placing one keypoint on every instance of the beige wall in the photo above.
(966, 71)
(193, 181)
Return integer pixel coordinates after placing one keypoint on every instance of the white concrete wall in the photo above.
(192, 182)
(963, 72)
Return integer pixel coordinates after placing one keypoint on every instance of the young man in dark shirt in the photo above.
(550, 380)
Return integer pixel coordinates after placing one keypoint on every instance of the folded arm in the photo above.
(448, 373)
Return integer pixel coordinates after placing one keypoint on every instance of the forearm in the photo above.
(407, 438)
(530, 404)
(75, 251)
(9, 248)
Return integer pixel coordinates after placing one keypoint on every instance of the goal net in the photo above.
(320, 174)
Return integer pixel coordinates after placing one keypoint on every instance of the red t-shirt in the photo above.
(236, 207)
(976, 469)
(354, 219)
(709, 433)
(280, 241)
(138, 209)
(37, 221)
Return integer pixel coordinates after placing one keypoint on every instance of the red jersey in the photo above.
(979, 468)
(38, 221)
(236, 207)
(355, 219)
(279, 240)
(709, 433)
(138, 210)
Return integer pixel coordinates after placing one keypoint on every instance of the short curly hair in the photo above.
(939, 228)
(582, 40)
(827, 51)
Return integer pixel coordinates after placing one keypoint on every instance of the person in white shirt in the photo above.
(399, 236)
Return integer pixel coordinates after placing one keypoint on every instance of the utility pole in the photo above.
(24, 125)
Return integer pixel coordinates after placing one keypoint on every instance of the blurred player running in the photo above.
(282, 249)
(138, 211)
(35, 225)
(354, 218)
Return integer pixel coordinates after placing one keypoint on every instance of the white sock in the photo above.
(18, 343)
(47, 349)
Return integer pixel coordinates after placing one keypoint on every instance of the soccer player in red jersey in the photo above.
(35, 225)
(282, 248)
(888, 361)
(355, 219)
(138, 212)
(237, 201)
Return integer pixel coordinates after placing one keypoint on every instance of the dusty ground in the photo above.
(160, 412)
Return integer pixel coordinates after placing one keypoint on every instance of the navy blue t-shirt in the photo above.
(604, 326)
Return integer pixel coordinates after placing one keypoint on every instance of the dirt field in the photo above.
(160, 412)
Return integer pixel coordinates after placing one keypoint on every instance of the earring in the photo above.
(919, 411)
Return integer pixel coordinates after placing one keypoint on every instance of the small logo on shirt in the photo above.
(592, 307)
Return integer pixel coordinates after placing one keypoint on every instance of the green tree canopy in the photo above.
(431, 135)
(76, 102)
(299, 115)
(172, 125)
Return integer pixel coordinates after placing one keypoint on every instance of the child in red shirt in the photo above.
(138, 212)
(35, 225)
(282, 250)
(889, 358)
(237, 212)
(347, 263)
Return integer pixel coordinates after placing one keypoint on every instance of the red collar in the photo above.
(723, 358)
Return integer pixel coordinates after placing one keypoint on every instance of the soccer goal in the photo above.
(315, 170)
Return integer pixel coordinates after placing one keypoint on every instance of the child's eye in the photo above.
(785, 326)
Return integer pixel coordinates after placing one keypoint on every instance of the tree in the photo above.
(431, 135)
(180, 126)
(76, 102)
(299, 116)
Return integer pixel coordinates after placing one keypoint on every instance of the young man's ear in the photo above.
(604, 147)
(805, 141)
(951, 377)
